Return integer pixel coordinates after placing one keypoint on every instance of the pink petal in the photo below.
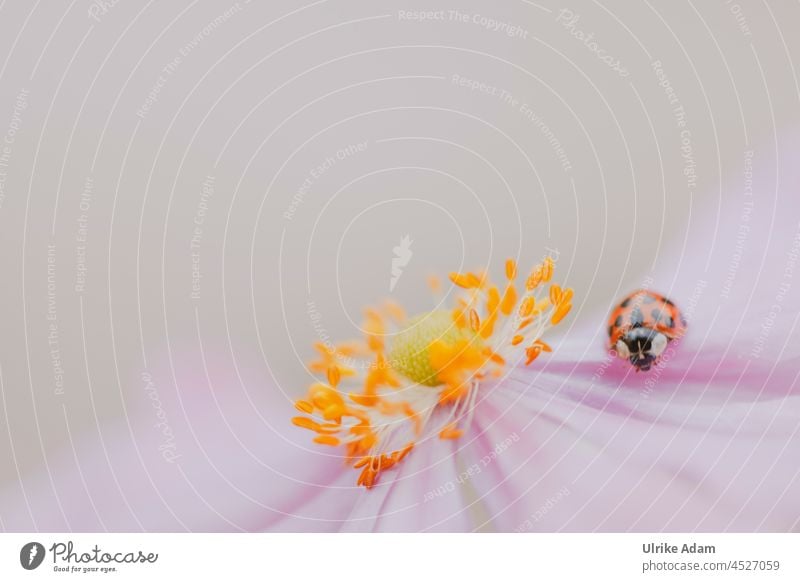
(240, 466)
(578, 467)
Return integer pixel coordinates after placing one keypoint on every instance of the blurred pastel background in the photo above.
(193, 193)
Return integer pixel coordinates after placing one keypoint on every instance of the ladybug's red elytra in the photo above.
(642, 325)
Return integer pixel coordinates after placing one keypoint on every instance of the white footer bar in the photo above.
(397, 557)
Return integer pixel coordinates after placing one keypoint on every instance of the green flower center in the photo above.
(410, 354)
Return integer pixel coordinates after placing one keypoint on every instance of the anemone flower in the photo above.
(706, 440)
(429, 380)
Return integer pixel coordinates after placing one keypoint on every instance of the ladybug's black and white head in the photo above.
(642, 346)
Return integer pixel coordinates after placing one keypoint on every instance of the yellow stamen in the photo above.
(436, 359)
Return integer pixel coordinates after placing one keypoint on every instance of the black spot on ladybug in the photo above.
(626, 302)
(669, 322)
(656, 314)
(610, 330)
(637, 317)
(668, 302)
(618, 321)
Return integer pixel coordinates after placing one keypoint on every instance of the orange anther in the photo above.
(535, 278)
(555, 294)
(495, 357)
(304, 422)
(509, 299)
(532, 353)
(492, 299)
(405, 451)
(526, 307)
(561, 313)
(334, 375)
(474, 321)
(525, 323)
(487, 328)
(450, 432)
(394, 311)
(331, 441)
(547, 270)
(466, 281)
(476, 281)
(364, 399)
(511, 269)
(333, 412)
(304, 406)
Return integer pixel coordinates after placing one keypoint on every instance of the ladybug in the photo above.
(642, 325)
